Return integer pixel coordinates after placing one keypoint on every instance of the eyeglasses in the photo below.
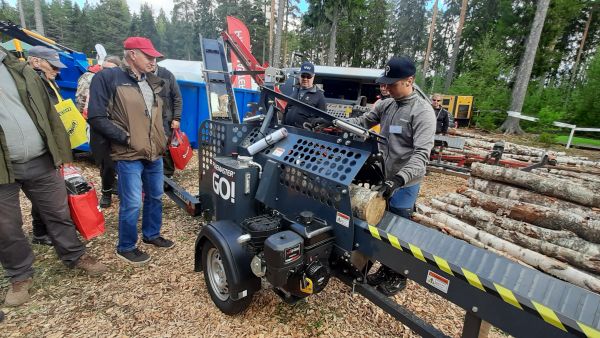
(306, 76)
(436, 100)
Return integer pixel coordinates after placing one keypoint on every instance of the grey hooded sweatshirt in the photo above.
(409, 126)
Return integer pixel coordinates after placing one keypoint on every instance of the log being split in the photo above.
(422, 219)
(537, 260)
(549, 218)
(564, 238)
(518, 194)
(557, 188)
(366, 204)
(587, 262)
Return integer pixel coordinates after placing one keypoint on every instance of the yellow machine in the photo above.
(461, 107)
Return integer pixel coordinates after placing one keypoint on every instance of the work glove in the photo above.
(387, 189)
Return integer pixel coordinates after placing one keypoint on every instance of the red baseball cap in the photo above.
(143, 44)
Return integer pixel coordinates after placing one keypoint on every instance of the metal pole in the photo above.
(570, 137)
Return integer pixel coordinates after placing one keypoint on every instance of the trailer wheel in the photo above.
(215, 277)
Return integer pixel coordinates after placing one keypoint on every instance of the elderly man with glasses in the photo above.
(442, 115)
(307, 93)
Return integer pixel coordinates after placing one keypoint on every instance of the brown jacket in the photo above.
(117, 111)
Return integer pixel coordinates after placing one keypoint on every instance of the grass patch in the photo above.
(578, 140)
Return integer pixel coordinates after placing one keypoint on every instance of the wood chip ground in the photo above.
(166, 298)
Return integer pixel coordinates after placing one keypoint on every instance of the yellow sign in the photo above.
(73, 121)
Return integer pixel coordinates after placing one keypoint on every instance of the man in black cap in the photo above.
(47, 65)
(442, 115)
(307, 93)
(408, 122)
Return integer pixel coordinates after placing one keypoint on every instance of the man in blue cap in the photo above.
(307, 93)
(408, 122)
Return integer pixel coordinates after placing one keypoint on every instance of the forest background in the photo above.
(480, 57)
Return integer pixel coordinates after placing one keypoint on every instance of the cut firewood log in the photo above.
(582, 176)
(549, 218)
(366, 204)
(549, 265)
(513, 193)
(587, 262)
(427, 221)
(563, 238)
(557, 188)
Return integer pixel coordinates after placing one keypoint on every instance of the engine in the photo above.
(294, 258)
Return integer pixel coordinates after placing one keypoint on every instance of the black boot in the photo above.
(106, 199)
(387, 281)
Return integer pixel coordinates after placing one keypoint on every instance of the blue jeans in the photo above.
(133, 176)
(403, 200)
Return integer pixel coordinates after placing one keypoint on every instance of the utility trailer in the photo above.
(278, 210)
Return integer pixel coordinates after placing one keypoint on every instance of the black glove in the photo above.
(387, 189)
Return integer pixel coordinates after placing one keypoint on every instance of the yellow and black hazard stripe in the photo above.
(547, 314)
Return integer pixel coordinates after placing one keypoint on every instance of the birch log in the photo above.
(518, 194)
(572, 180)
(577, 169)
(366, 204)
(557, 188)
(537, 260)
(563, 238)
(583, 176)
(549, 218)
(587, 262)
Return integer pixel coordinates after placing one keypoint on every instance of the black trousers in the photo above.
(45, 187)
(101, 152)
(168, 165)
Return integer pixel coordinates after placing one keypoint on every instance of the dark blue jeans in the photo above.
(403, 200)
(133, 177)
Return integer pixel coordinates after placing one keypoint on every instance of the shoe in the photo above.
(135, 257)
(90, 265)
(106, 199)
(393, 284)
(378, 276)
(41, 240)
(387, 281)
(18, 292)
(160, 242)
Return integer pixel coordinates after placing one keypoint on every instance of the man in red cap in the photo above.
(126, 109)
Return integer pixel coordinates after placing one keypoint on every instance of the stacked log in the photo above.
(548, 219)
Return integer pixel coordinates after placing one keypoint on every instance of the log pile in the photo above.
(548, 219)
(479, 145)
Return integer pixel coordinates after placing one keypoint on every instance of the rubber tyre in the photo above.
(220, 297)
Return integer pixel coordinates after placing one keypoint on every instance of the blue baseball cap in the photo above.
(396, 69)
(307, 68)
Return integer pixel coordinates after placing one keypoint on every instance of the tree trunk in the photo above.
(279, 33)
(561, 189)
(548, 218)
(39, 21)
(333, 37)
(581, 46)
(271, 29)
(427, 221)
(429, 42)
(579, 175)
(461, 22)
(575, 181)
(511, 125)
(575, 169)
(537, 260)
(286, 62)
(21, 13)
(518, 194)
(563, 238)
(590, 263)
(366, 205)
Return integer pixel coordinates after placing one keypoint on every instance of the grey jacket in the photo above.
(409, 125)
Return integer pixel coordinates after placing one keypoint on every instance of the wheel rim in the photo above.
(216, 274)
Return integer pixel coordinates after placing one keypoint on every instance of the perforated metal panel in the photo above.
(321, 190)
(218, 139)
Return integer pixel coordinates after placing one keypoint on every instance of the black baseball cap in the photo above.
(47, 54)
(396, 69)
(307, 68)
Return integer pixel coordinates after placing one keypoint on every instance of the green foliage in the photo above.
(488, 120)
(546, 138)
(586, 111)
(486, 78)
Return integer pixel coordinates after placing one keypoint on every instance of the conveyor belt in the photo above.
(570, 309)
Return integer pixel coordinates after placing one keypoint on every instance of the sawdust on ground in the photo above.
(167, 298)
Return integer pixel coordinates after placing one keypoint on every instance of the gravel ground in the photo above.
(167, 298)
